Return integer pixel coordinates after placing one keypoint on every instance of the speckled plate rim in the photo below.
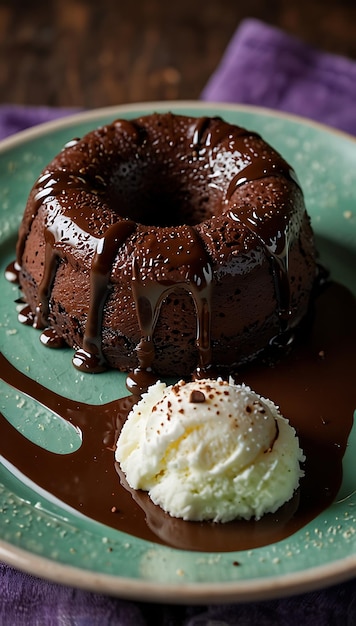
(183, 592)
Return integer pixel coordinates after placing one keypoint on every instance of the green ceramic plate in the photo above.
(41, 536)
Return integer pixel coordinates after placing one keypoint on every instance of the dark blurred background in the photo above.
(90, 53)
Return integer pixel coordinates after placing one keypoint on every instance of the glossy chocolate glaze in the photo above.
(181, 255)
(314, 387)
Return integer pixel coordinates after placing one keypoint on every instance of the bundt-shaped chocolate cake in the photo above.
(166, 243)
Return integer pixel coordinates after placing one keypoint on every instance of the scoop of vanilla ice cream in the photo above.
(210, 450)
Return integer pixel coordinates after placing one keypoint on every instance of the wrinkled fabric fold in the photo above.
(263, 66)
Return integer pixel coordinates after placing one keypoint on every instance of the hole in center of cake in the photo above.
(157, 197)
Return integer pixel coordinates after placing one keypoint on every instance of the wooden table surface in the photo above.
(92, 54)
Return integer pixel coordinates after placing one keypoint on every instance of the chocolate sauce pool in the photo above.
(314, 387)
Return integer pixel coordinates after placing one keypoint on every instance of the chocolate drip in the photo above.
(90, 357)
(12, 273)
(205, 135)
(72, 229)
(275, 243)
(53, 184)
(186, 266)
(261, 167)
(201, 135)
(45, 288)
(51, 339)
(271, 229)
(26, 316)
(307, 387)
(49, 186)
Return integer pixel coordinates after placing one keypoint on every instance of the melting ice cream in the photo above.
(210, 450)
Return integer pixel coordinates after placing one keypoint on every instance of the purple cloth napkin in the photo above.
(266, 67)
(26, 600)
(261, 66)
(14, 118)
